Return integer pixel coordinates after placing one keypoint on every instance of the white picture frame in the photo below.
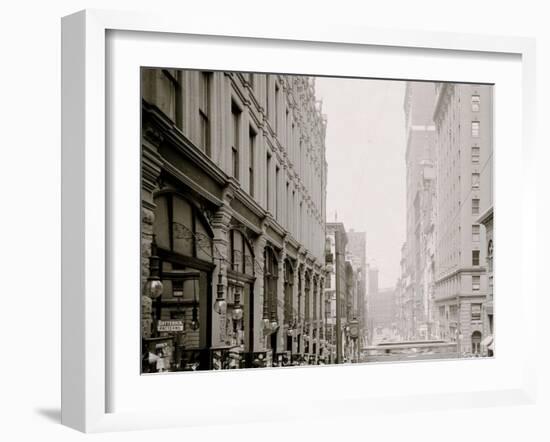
(86, 206)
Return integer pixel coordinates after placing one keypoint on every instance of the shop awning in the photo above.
(487, 341)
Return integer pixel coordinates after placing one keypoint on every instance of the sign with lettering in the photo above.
(170, 326)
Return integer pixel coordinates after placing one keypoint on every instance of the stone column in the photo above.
(295, 282)
(259, 292)
(318, 322)
(322, 327)
(302, 273)
(317, 292)
(150, 172)
(311, 294)
(220, 227)
(281, 333)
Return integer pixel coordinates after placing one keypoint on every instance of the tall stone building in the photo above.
(463, 121)
(373, 279)
(384, 318)
(487, 242)
(418, 253)
(372, 289)
(357, 254)
(233, 219)
(337, 290)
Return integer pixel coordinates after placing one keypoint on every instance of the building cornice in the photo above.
(442, 94)
(476, 270)
(454, 297)
(160, 129)
(171, 133)
(486, 216)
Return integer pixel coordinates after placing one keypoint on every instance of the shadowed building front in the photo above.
(233, 211)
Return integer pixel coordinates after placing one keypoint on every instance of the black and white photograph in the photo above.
(275, 220)
(292, 220)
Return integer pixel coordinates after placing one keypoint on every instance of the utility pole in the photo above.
(338, 325)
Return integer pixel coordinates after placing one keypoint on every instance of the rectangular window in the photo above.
(475, 129)
(235, 139)
(475, 257)
(288, 208)
(177, 288)
(475, 233)
(476, 312)
(204, 112)
(267, 95)
(453, 313)
(267, 181)
(277, 128)
(301, 222)
(475, 206)
(251, 148)
(294, 217)
(277, 203)
(475, 180)
(288, 135)
(314, 307)
(475, 283)
(475, 155)
(475, 103)
(179, 100)
(301, 155)
(173, 106)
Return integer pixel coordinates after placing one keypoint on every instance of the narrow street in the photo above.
(290, 220)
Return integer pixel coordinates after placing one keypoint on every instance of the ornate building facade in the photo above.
(233, 220)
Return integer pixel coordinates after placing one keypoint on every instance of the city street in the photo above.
(252, 257)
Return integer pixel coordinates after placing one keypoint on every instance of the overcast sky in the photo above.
(366, 164)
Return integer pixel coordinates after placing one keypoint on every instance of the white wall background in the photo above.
(30, 216)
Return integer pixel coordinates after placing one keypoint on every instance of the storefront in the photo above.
(182, 313)
(239, 320)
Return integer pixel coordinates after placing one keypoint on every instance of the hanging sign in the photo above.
(170, 326)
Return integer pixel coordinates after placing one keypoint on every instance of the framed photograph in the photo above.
(250, 216)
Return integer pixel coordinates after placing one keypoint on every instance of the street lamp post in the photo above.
(154, 286)
(337, 273)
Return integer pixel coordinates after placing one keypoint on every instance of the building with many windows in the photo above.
(356, 253)
(418, 253)
(487, 243)
(335, 290)
(345, 292)
(233, 220)
(463, 124)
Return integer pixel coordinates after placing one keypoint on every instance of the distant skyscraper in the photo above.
(357, 252)
(373, 280)
(421, 211)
